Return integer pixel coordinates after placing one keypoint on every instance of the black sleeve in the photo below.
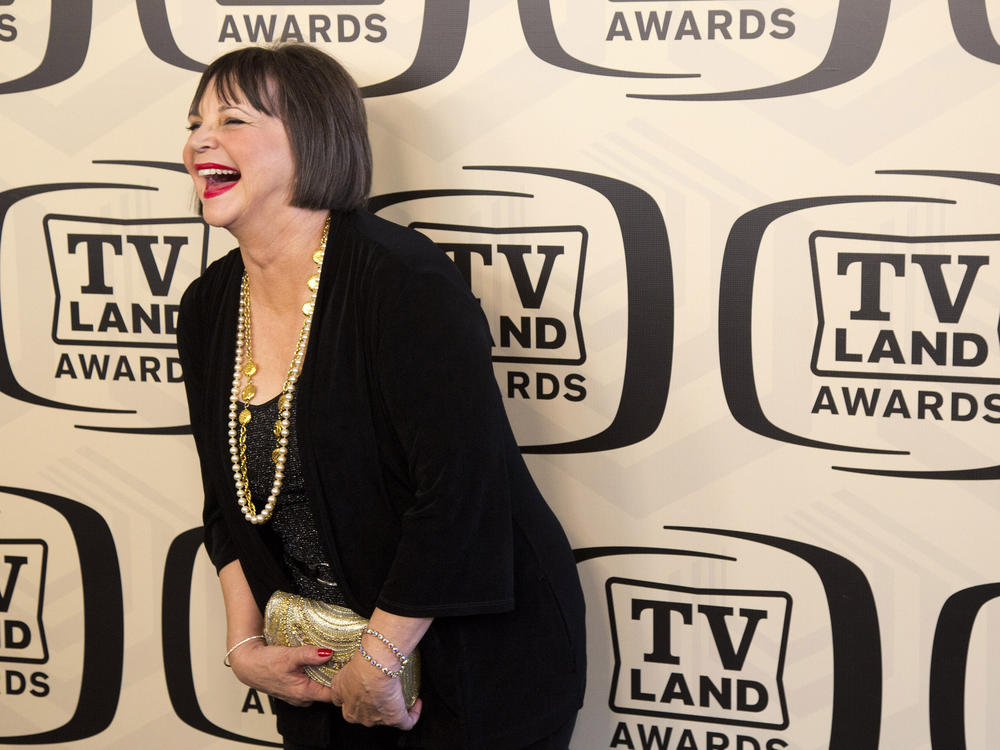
(191, 334)
(436, 381)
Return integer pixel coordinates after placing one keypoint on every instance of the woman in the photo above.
(395, 487)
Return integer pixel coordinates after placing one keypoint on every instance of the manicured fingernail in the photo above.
(326, 653)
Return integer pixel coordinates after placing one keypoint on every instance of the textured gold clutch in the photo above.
(293, 620)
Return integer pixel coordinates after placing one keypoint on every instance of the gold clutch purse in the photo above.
(293, 620)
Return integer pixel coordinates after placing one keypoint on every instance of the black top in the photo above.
(295, 536)
(419, 491)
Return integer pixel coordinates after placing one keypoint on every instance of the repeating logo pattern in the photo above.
(860, 326)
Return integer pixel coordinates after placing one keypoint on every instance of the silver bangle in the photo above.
(237, 645)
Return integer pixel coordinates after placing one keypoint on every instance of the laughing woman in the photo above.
(364, 494)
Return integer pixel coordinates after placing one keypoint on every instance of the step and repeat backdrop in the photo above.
(741, 260)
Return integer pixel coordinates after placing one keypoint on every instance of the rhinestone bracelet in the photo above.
(395, 651)
(384, 670)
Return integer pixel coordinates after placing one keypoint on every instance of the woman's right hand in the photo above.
(277, 671)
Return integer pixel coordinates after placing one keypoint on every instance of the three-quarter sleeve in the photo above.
(435, 379)
(191, 330)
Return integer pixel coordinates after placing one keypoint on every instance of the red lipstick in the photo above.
(220, 178)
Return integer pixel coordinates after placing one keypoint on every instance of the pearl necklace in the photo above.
(246, 366)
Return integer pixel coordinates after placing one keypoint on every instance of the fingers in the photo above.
(334, 692)
(278, 671)
(368, 698)
(412, 716)
(301, 655)
(369, 715)
(315, 692)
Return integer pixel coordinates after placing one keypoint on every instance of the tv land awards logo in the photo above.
(404, 45)
(107, 309)
(723, 50)
(869, 326)
(906, 335)
(67, 689)
(577, 238)
(696, 654)
(695, 666)
(726, 668)
(112, 288)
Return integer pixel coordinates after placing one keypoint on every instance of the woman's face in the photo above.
(241, 162)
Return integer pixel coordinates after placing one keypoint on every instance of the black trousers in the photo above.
(559, 740)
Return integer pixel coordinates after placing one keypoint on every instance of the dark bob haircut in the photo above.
(321, 108)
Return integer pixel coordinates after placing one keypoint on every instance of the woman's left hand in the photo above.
(368, 697)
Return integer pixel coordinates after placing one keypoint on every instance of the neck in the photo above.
(278, 258)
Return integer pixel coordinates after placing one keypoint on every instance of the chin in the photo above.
(216, 216)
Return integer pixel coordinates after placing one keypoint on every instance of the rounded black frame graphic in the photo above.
(736, 308)
(858, 31)
(949, 661)
(175, 625)
(442, 39)
(971, 23)
(65, 49)
(9, 384)
(102, 621)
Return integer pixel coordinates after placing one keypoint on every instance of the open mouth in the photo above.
(218, 178)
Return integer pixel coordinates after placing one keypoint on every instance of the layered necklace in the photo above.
(244, 365)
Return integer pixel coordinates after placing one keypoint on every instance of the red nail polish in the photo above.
(326, 653)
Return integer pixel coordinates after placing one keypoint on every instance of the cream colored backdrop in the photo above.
(742, 263)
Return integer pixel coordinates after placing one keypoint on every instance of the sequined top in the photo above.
(301, 550)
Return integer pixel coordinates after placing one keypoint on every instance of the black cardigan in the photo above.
(423, 501)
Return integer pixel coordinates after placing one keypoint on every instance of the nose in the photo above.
(202, 138)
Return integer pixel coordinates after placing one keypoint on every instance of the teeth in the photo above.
(210, 172)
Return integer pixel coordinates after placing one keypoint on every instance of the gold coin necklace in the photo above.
(245, 366)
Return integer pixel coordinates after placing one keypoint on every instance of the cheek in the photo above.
(187, 155)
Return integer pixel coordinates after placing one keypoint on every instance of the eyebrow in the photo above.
(224, 108)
